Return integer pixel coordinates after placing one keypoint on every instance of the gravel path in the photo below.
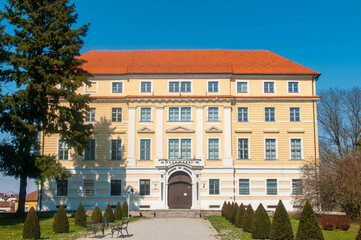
(167, 228)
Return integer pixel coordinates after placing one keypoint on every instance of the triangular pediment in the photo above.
(180, 129)
(213, 129)
(145, 130)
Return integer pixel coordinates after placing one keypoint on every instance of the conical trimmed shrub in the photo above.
(358, 237)
(239, 216)
(229, 209)
(223, 209)
(261, 224)
(234, 213)
(247, 219)
(80, 216)
(61, 223)
(230, 212)
(281, 228)
(118, 212)
(108, 213)
(125, 209)
(31, 227)
(97, 215)
(226, 210)
(308, 227)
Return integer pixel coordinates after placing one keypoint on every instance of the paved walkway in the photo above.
(166, 228)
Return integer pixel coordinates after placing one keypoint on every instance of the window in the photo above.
(145, 115)
(242, 87)
(185, 115)
(213, 149)
(173, 86)
(242, 114)
(296, 149)
(213, 114)
(182, 150)
(88, 188)
(243, 148)
(212, 86)
(116, 114)
(89, 152)
(243, 186)
(293, 87)
(297, 187)
(63, 150)
(116, 149)
(269, 87)
(269, 114)
(90, 115)
(116, 187)
(213, 186)
(26, 208)
(184, 86)
(144, 149)
(271, 149)
(144, 187)
(294, 114)
(145, 87)
(62, 189)
(117, 87)
(271, 186)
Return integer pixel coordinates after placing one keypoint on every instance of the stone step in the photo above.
(177, 213)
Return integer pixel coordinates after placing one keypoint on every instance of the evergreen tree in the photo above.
(31, 227)
(239, 216)
(229, 207)
(308, 227)
(108, 213)
(80, 216)
(230, 212)
(125, 209)
(247, 219)
(234, 213)
(97, 215)
(281, 228)
(61, 223)
(261, 224)
(358, 237)
(223, 209)
(118, 212)
(41, 50)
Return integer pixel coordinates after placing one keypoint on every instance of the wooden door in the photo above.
(180, 191)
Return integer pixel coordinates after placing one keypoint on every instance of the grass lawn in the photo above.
(227, 231)
(13, 229)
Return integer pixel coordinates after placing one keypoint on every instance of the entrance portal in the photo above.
(180, 191)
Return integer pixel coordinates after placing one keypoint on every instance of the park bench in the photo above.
(120, 227)
(92, 227)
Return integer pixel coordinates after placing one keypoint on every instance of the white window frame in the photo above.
(95, 151)
(219, 114)
(150, 152)
(242, 115)
(117, 81)
(150, 187)
(218, 86)
(83, 190)
(67, 146)
(278, 187)
(121, 114)
(180, 113)
(299, 111)
(249, 148)
(292, 189)
(180, 86)
(86, 87)
(95, 115)
(110, 149)
(151, 86)
(264, 146)
(274, 120)
(140, 115)
(299, 88)
(121, 187)
(180, 146)
(249, 186)
(274, 86)
(219, 148)
(209, 186)
(242, 81)
(290, 149)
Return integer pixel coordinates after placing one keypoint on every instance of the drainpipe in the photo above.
(234, 183)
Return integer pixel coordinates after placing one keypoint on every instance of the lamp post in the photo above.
(129, 189)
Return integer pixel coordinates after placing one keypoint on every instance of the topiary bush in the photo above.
(118, 212)
(61, 223)
(281, 228)
(108, 213)
(239, 216)
(125, 209)
(97, 215)
(261, 224)
(227, 210)
(358, 237)
(31, 228)
(343, 222)
(80, 216)
(308, 227)
(248, 219)
(230, 212)
(234, 213)
(223, 209)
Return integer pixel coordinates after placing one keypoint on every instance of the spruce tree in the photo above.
(223, 209)
(125, 209)
(118, 212)
(31, 228)
(108, 213)
(261, 224)
(247, 219)
(234, 213)
(97, 216)
(239, 216)
(281, 228)
(80, 216)
(308, 227)
(61, 223)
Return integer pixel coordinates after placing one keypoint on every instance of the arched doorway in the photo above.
(180, 191)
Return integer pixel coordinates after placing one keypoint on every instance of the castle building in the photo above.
(190, 129)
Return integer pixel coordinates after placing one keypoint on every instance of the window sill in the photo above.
(145, 160)
(116, 160)
(301, 160)
(271, 159)
(214, 159)
(239, 159)
(90, 160)
(180, 121)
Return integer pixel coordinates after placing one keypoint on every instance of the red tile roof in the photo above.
(5, 204)
(31, 197)
(191, 61)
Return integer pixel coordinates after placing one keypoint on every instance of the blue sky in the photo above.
(322, 35)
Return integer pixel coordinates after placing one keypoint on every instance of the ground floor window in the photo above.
(214, 186)
(271, 186)
(243, 186)
(88, 187)
(144, 187)
(62, 188)
(116, 187)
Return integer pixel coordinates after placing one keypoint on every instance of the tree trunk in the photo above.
(22, 195)
(41, 196)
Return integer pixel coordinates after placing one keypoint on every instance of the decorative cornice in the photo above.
(296, 131)
(213, 129)
(179, 129)
(271, 131)
(116, 132)
(242, 131)
(145, 130)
